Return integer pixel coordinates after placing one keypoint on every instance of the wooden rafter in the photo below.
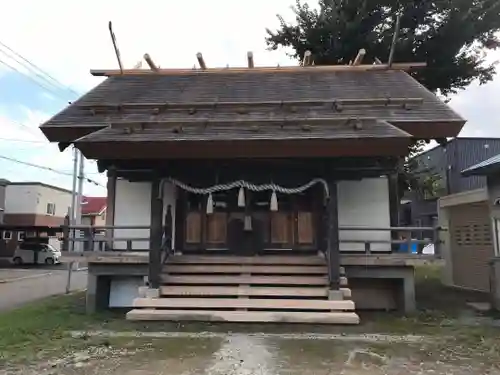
(250, 59)
(279, 69)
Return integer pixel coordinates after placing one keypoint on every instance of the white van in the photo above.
(25, 254)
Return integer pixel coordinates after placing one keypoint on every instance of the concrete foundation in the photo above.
(495, 283)
(374, 287)
(383, 288)
(335, 295)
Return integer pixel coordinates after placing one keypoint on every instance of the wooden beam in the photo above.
(307, 58)
(115, 46)
(359, 57)
(274, 69)
(276, 103)
(151, 63)
(394, 40)
(250, 59)
(203, 66)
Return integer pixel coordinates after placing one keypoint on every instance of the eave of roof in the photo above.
(486, 167)
(273, 130)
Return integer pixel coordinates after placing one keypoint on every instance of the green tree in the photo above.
(451, 36)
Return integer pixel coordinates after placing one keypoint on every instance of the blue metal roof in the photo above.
(483, 168)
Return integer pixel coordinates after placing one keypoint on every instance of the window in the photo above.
(7, 235)
(20, 236)
(33, 246)
(51, 208)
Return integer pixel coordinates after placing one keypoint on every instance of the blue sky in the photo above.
(72, 38)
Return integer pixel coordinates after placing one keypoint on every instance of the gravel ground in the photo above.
(245, 354)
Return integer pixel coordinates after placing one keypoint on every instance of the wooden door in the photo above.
(217, 229)
(305, 231)
(193, 228)
(282, 229)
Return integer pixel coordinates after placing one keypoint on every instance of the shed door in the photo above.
(471, 245)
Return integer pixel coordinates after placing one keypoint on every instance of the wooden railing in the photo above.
(406, 232)
(89, 240)
(107, 242)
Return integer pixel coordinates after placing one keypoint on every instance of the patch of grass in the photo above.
(38, 328)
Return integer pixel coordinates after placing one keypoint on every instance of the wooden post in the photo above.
(65, 234)
(167, 230)
(394, 203)
(180, 220)
(437, 241)
(155, 235)
(332, 240)
(110, 207)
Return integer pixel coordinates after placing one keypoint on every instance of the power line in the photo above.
(63, 173)
(29, 77)
(43, 72)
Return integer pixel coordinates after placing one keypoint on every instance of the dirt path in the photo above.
(245, 354)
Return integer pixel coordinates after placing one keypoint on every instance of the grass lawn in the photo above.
(38, 329)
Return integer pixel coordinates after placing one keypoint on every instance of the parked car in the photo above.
(36, 253)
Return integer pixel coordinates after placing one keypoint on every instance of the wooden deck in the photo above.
(142, 257)
(247, 289)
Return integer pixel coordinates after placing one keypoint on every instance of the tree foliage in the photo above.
(451, 36)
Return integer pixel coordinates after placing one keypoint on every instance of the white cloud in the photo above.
(32, 147)
(76, 38)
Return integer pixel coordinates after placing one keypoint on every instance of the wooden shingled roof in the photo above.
(319, 104)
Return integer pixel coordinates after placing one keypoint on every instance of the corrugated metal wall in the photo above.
(449, 162)
(470, 151)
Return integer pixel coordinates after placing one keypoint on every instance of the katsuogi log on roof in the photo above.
(272, 105)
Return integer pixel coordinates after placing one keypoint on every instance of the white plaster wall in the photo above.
(364, 203)
(132, 207)
(33, 199)
(21, 199)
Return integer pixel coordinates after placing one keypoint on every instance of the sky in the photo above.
(68, 38)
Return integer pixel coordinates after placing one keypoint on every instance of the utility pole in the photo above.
(72, 215)
(79, 199)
